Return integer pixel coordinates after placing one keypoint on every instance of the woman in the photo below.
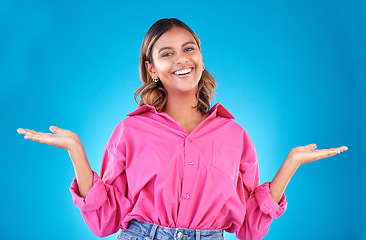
(175, 168)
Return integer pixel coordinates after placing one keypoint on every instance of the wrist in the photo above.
(292, 162)
(77, 154)
(74, 145)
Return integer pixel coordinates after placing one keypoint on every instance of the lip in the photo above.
(183, 76)
(183, 69)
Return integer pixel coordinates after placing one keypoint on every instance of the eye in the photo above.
(189, 49)
(166, 54)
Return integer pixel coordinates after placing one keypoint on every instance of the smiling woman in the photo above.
(179, 49)
(176, 168)
(179, 64)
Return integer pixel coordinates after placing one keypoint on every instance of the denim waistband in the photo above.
(153, 231)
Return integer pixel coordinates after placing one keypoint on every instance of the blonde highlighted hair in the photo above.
(154, 93)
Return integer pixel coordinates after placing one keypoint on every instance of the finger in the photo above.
(54, 129)
(324, 153)
(31, 135)
(25, 131)
(40, 137)
(337, 150)
(52, 139)
(343, 148)
(310, 147)
(22, 129)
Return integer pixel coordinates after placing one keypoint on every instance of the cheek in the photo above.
(162, 67)
(198, 59)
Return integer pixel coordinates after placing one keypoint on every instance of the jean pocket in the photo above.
(213, 236)
(227, 160)
(128, 235)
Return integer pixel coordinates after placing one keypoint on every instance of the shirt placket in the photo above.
(189, 180)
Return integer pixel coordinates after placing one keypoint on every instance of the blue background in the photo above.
(291, 72)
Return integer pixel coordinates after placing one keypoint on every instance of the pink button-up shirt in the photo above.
(154, 171)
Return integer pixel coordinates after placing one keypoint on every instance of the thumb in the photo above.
(54, 129)
(310, 146)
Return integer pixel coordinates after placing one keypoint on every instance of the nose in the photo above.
(181, 58)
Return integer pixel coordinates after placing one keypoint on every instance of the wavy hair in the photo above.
(154, 93)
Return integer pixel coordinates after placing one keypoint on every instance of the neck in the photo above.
(181, 109)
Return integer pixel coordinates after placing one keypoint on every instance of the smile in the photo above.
(183, 71)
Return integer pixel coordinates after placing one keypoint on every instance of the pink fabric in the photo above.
(154, 171)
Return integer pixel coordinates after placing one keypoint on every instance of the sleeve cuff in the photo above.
(95, 198)
(267, 204)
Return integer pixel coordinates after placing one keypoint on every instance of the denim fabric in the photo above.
(138, 230)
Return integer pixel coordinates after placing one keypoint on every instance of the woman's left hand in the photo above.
(304, 154)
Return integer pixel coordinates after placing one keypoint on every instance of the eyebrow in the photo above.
(184, 44)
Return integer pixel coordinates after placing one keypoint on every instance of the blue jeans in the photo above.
(138, 230)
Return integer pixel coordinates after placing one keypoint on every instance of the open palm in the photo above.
(59, 138)
(305, 154)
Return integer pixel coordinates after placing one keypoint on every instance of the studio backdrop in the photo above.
(291, 72)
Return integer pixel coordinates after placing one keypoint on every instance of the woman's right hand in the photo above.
(59, 138)
(69, 141)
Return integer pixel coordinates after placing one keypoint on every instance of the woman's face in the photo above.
(177, 61)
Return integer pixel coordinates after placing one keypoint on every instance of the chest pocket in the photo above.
(227, 160)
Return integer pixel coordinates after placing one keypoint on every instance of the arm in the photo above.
(107, 203)
(260, 207)
(103, 201)
(69, 141)
(83, 172)
(297, 157)
(267, 201)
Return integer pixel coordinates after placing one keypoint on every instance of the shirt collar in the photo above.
(142, 109)
(217, 111)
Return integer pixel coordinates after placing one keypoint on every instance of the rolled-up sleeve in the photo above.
(261, 208)
(107, 202)
(96, 196)
(267, 204)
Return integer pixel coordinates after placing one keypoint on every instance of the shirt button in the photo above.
(186, 196)
(189, 139)
(147, 238)
(190, 163)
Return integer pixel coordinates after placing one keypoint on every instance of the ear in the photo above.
(150, 69)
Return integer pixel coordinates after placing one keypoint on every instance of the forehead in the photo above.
(174, 37)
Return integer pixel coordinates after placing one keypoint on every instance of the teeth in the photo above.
(184, 71)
